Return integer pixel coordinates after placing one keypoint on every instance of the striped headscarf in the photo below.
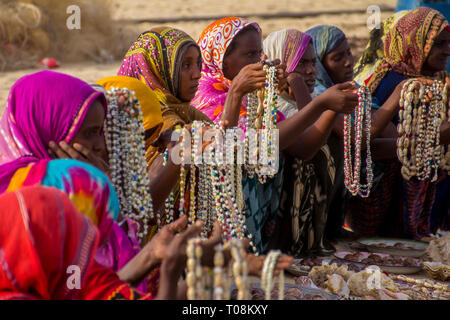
(325, 39)
(408, 44)
(288, 45)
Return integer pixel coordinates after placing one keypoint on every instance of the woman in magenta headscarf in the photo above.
(47, 109)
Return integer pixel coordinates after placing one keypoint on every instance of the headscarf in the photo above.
(155, 59)
(148, 100)
(288, 45)
(42, 237)
(374, 49)
(325, 39)
(89, 189)
(408, 43)
(42, 107)
(213, 86)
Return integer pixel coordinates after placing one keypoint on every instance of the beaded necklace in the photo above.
(125, 141)
(423, 108)
(267, 275)
(362, 122)
(262, 119)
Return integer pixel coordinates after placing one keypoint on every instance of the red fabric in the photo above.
(41, 235)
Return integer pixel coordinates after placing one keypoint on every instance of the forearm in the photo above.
(291, 129)
(162, 181)
(382, 117)
(168, 289)
(314, 137)
(137, 268)
(232, 108)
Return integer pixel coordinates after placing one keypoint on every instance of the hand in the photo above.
(256, 263)
(281, 72)
(77, 152)
(340, 98)
(175, 255)
(252, 77)
(157, 247)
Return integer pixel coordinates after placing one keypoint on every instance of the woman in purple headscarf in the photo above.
(48, 109)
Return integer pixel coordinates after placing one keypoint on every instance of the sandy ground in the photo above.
(354, 25)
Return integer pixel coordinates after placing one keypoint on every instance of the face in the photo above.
(307, 67)
(91, 132)
(339, 63)
(247, 49)
(191, 66)
(439, 53)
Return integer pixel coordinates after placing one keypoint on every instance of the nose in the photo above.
(197, 73)
(311, 69)
(99, 145)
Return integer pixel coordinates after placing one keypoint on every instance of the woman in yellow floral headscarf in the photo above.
(374, 50)
(168, 61)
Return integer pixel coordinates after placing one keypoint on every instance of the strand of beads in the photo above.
(267, 275)
(262, 119)
(194, 277)
(240, 268)
(183, 175)
(124, 135)
(219, 275)
(423, 108)
(362, 119)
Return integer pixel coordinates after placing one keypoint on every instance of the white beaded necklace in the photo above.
(124, 135)
(262, 114)
(423, 108)
(362, 120)
(267, 275)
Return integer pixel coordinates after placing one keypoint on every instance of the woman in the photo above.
(34, 219)
(231, 50)
(168, 61)
(416, 46)
(374, 49)
(73, 119)
(303, 210)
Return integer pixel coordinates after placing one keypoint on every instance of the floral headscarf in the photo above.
(374, 49)
(213, 86)
(408, 44)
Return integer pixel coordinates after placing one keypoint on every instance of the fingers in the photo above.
(74, 154)
(57, 151)
(191, 232)
(178, 225)
(345, 85)
(83, 150)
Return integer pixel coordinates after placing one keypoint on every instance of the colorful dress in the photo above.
(49, 106)
(47, 250)
(261, 201)
(306, 184)
(395, 206)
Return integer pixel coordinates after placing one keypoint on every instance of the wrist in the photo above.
(236, 92)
